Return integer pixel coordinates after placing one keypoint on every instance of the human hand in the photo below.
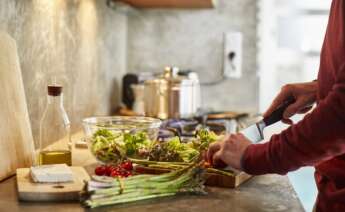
(304, 95)
(229, 151)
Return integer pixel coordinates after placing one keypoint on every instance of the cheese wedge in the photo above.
(57, 173)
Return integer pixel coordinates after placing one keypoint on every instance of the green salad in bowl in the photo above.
(113, 139)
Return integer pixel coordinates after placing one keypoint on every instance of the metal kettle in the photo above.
(173, 94)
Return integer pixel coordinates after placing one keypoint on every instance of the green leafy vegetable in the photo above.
(112, 147)
(137, 144)
(174, 150)
(185, 152)
(205, 138)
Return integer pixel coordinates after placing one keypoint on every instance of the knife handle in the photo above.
(277, 115)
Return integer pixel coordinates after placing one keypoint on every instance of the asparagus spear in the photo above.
(189, 179)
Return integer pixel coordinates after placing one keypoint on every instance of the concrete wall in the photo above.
(88, 47)
(193, 39)
(82, 44)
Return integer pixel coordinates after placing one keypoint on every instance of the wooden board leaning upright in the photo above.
(16, 142)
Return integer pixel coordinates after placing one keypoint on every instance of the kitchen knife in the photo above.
(255, 132)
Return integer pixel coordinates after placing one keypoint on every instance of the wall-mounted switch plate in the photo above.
(233, 54)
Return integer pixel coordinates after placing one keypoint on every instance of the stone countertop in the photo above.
(261, 193)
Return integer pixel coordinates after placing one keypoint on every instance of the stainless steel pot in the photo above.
(172, 95)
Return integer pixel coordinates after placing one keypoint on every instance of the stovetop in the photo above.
(219, 122)
(187, 128)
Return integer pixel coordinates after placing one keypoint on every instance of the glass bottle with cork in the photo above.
(55, 139)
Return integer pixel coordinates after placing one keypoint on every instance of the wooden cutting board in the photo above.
(50, 192)
(16, 142)
(215, 180)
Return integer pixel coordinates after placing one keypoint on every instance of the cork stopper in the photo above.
(54, 90)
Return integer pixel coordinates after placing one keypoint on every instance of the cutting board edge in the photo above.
(49, 196)
(32, 197)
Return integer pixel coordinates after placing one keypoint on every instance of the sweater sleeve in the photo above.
(318, 137)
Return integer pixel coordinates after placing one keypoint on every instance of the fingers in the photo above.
(217, 161)
(287, 121)
(241, 136)
(285, 92)
(213, 148)
(216, 158)
(235, 137)
(301, 111)
(294, 108)
(305, 110)
(224, 152)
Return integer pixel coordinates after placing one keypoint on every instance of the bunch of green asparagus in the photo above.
(180, 165)
(104, 191)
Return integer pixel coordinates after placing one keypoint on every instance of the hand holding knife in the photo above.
(227, 154)
(255, 132)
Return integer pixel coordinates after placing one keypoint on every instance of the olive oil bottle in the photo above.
(55, 157)
(55, 130)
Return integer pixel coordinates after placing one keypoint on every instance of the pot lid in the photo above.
(171, 76)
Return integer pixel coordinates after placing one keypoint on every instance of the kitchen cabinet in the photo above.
(190, 4)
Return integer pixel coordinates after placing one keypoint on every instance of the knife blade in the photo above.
(255, 132)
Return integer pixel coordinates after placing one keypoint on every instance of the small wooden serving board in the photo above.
(215, 180)
(52, 192)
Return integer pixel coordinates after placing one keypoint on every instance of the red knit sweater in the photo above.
(319, 139)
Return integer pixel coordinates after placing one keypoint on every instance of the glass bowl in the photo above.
(114, 138)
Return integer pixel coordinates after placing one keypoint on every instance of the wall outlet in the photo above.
(233, 54)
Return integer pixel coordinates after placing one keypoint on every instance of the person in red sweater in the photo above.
(318, 140)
